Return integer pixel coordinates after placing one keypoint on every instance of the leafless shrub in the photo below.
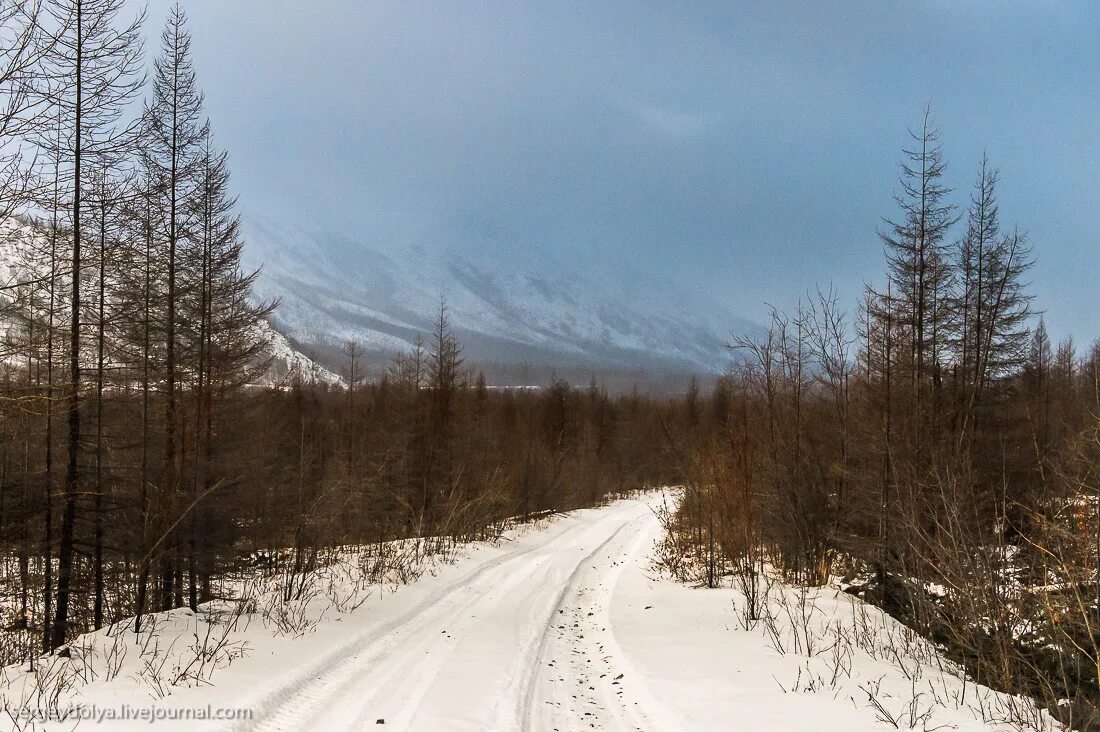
(671, 551)
(209, 651)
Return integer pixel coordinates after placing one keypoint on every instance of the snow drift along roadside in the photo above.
(563, 625)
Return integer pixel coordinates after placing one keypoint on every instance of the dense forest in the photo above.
(142, 457)
(935, 449)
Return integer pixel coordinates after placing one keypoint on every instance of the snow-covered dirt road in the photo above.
(521, 640)
(562, 625)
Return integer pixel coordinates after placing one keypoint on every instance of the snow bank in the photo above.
(564, 625)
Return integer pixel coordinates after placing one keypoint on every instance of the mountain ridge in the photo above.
(545, 312)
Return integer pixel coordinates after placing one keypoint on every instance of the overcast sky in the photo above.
(750, 148)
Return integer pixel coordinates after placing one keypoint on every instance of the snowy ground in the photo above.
(560, 627)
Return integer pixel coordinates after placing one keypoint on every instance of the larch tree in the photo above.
(24, 44)
(992, 306)
(172, 153)
(918, 259)
(107, 198)
(141, 351)
(93, 70)
(224, 351)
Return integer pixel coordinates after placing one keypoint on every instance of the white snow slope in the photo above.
(559, 627)
(506, 307)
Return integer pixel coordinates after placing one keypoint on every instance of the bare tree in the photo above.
(171, 152)
(93, 70)
(918, 261)
(24, 42)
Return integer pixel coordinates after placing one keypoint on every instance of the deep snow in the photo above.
(561, 626)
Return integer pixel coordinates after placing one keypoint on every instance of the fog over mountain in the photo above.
(745, 151)
(508, 308)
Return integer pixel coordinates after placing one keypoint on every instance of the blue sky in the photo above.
(748, 148)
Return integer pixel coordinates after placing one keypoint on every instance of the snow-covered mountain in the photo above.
(284, 359)
(506, 308)
(18, 263)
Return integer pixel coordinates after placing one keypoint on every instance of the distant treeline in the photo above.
(667, 378)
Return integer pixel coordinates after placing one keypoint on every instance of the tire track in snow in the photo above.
(296, 703)
(280, 708)
(405, 676)
(607, 697)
